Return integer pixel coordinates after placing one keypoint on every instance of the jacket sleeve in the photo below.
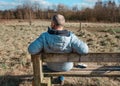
(78, 45)
(36, 46)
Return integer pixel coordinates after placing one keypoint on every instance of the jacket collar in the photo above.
(58, 32)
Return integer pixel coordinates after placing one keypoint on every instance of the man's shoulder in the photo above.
(72, 34)
(44, 33)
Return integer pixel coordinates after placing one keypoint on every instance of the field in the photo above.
(15, 62)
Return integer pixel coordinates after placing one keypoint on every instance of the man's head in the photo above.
(57, 21)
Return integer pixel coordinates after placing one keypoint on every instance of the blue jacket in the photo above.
(54, 41)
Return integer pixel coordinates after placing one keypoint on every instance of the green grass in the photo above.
(117, 30)
(111, 30)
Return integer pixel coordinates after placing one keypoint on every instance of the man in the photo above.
(58, 40)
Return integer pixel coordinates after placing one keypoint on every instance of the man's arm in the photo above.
(78, 45)
(36, 46)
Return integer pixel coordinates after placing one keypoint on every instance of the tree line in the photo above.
(102, 12)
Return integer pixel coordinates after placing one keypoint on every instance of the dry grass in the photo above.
(15, 60)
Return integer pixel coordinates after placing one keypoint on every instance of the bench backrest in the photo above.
(74, 57)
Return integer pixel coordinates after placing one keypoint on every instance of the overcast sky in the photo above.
(11, 4)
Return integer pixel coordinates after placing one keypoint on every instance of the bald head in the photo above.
(59, 20)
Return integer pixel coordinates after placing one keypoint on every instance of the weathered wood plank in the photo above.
(74, 57)
(37, 69)
(86, 74)
(95, 68)
(107, 71)
(96, 71)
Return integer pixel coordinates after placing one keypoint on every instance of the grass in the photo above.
(111, 30)
(15, 38)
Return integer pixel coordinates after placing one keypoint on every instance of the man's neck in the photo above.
(58, 28)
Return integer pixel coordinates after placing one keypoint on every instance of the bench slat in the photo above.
(85, 74)
(106, 68)
(90, 68)
(106, 71)
(74, 57)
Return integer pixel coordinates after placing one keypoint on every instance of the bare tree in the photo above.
(75, 8)
(28, 8)
(62, 7)
(119, 6)
(0, 14)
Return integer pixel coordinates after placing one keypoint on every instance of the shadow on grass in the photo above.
(11, 80)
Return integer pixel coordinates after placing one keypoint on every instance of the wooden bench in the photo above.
(42, 77)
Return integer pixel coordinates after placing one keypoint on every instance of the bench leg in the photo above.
(37, 70)
(46, 82)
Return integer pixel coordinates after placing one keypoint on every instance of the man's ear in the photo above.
(53, 25)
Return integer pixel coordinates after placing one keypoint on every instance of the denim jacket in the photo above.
(54, 41)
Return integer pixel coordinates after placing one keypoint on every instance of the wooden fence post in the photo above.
(37, 69)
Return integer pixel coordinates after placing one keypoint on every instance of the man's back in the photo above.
(54, 41)
(58, 40)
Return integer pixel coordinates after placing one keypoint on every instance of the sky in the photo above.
(11, 4)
